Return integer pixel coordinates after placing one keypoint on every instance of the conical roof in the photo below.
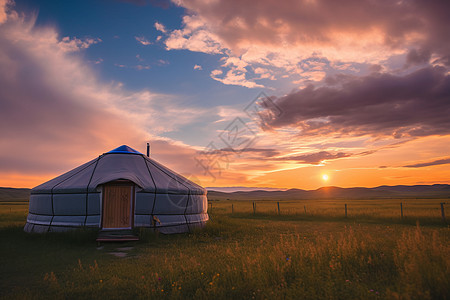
(122, 163)
(125, 149)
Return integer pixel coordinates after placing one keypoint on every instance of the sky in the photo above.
(277, 94)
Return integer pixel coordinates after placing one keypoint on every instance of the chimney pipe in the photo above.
(148, 149)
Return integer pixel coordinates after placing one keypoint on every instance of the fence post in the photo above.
(278, 204)
(254, 208)
(304, 206)
(232, 208)
(346, 210)
(401, 209)
(442, 212)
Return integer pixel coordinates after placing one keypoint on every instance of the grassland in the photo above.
(320, 254)
(424, 211)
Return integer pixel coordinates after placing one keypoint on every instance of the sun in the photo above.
(325, 177)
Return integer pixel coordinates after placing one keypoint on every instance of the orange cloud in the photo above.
(281, 35)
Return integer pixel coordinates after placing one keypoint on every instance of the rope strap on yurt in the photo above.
(87, 188)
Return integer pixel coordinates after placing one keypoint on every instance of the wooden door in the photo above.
(117, 205)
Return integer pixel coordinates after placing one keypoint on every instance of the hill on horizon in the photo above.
(435, 191)
(381, 192)
(231, 189)
(8, 194)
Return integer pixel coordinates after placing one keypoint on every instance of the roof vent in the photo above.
(124, 149)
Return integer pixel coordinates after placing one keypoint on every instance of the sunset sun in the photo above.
(325, 177)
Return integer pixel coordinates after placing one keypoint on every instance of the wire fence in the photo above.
(404, 209)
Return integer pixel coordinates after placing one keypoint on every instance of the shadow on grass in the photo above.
(26, 257)
(82, 239)
(79, 237)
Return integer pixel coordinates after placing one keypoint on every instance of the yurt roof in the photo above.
(122, 163)
(125, 149)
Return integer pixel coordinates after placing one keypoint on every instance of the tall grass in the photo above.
(410, 211)
(13, 213)
(243, 256)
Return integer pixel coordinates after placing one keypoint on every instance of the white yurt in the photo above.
(121, 189)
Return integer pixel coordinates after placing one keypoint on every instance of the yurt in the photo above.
(121, 189)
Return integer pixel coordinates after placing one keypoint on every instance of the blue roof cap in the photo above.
(124, 149)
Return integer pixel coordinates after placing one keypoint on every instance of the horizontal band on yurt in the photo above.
(94, 191)
(31, 216)
(140, 220)
(65, 204)
(186, 214)
(64, 220)
(40, 214)
(69, 227)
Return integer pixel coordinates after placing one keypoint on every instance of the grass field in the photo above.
(426, 211)
(320, 254)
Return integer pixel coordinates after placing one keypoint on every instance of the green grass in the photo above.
(320, 255)
(426, 211)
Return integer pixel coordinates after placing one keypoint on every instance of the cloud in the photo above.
(198, 67)
(263, 73)
(314, 76)
(228, 113)
(443, 161)
(142, 67)
(236, 74)
(379, 104)
(314, 158)
(194, 37)
(216, 72)
(282, 36)
(142, 40)
(68, 44)
(261, 152)
(235, 77)
(160, 27)
(51, 109)
(56, 115)
(417, 57)
(327, 23)
(136, 67)
(4, 6)
(98, 61)
(156, 113)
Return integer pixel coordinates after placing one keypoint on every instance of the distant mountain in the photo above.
(331, 192)
(231, 189)
(12, 194)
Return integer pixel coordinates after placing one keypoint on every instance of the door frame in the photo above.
(120, 182)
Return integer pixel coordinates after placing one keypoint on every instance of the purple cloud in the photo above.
(260, 151)
(397, 24)
(315, 158)
(417, 104)
(430, 163)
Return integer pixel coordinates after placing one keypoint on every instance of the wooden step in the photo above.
(116, 236)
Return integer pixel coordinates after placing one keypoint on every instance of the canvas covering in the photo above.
(74, 199)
